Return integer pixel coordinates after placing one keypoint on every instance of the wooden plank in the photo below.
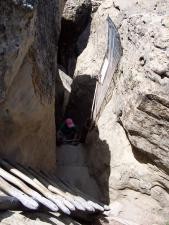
(47, 185)
(26, 189)
(22, 197)
(60, 189)
(88, 204)
(71, 192)
(66, 195)
(108, 68)
(92, 202)
(43, 179)
(38, 186)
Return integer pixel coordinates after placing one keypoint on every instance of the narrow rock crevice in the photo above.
(76, 17)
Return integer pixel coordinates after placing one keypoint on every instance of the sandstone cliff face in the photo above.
(132, 140)
(28, 65)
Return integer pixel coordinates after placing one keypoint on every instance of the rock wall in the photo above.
(28, 67)
(129, 149)
(76, 16)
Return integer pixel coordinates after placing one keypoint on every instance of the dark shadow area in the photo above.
(79, 108)
(99, 156)
(44, 217)
(55, 218)
(59, 101)
(101, 221)
(5, 214)
(9, 203)
(73, 40)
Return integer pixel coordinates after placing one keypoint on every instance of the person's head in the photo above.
(70, 123)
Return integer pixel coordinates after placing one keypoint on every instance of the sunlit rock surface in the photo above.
(28, 67)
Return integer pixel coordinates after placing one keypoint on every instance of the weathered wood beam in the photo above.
(69, 190)
(92, 202)
(67, 203)
(90, 206)
(62, 195)
(26, 189)
(77, 203)
(27, 201)
(59, 190)
(38, 186)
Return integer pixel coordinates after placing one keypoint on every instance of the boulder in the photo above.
(28, 67)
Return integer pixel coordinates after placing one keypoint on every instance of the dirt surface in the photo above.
(20, 218)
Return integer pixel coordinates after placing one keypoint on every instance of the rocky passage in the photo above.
(126, 154)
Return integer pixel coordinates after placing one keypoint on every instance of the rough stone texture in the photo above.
(131, 142)
(75, 12)
(20, 218)
(96, 4)
(90, 61)
(28, 50)
(72, 167)
(76, 16)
